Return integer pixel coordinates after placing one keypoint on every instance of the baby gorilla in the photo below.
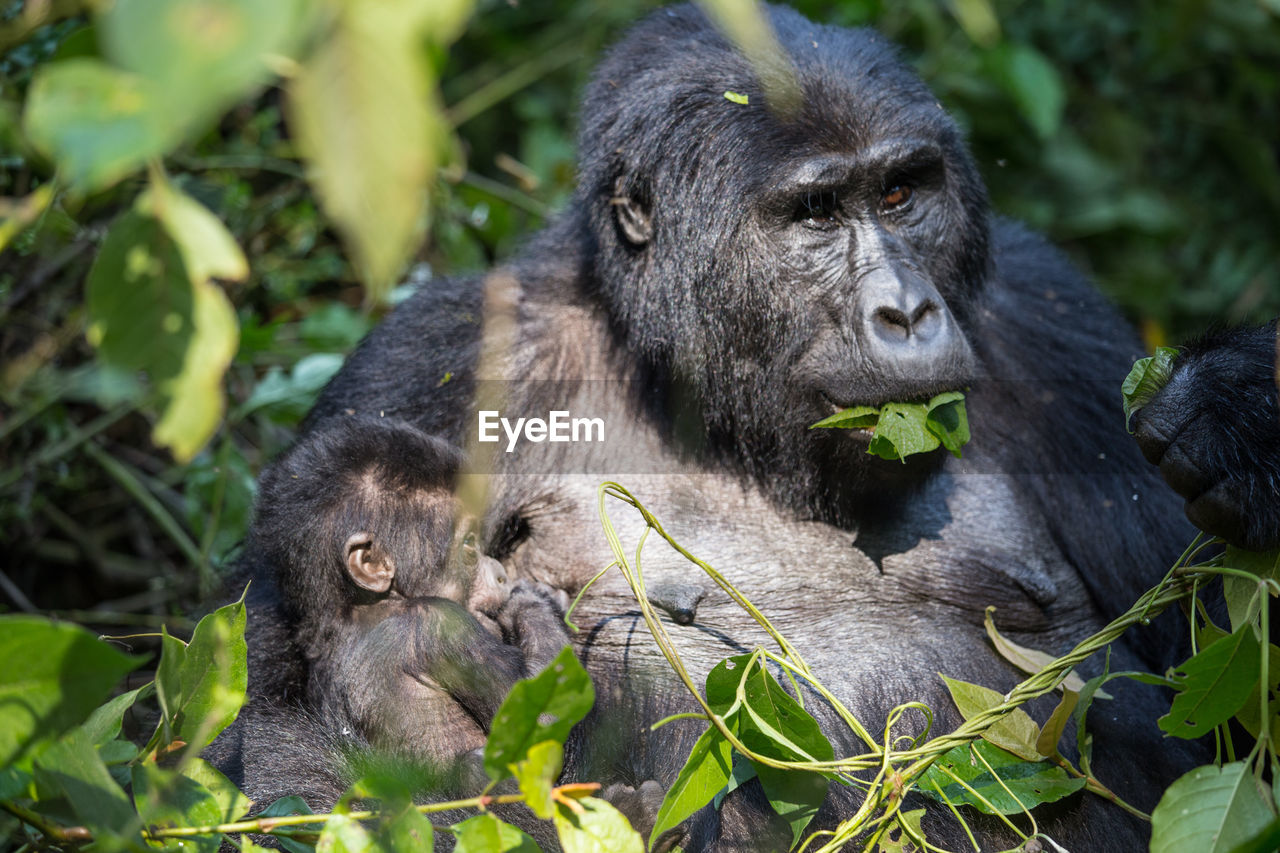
(411, 635)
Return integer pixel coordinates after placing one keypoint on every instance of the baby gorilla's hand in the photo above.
(532, 619)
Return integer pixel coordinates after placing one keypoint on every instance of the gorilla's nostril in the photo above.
(892, 321)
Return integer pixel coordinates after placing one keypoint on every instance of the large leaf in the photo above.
(147, 312)
(52, 676)
(1032, 83)
(200, 55)
(562, 692)
(98, 123)
(1213, 685)
(704, 773)
(484, 833)
(363, 116)
(773, 724)
(1210, 810)
(201, 685)
(769, 721)
(199, 796)
(1030, 783)
(795, 795)
(597, 828)
(73, 768)
(1016, 731)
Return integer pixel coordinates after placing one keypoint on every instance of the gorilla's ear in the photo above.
(631, 212)
(371, 568)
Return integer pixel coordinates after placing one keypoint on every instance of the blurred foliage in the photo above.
(1143, 137)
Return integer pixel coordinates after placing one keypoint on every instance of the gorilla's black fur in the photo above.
(726, 276)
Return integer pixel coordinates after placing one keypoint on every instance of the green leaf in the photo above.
(1213, 685)
(771, 723)
(341, 834)
(1267, 841)
(200, 55)
(52, 676)
(562, 691)
(73, 767)
(978, 20)
(704, 773)
(199, 796)
(1146, 378)
(600, 828)
(405, 830)
(1016, 732)
(146, 312)
(201, 686)
(896, 839)
(796, 795)
(103, 725)
(902, 429)
(362, 98)
(768, 720)
(208, 250)
(195, 397)
(736, 97)
(1030, 782)
(1047, 742)
(537, 774)
(97, 123)
(1210, 810)
(297, 390)
(1032, 83)
(1243, 596)
(484, 833)
(858, 417)
(948, 420)
(290, 805)
(1026, 659)
(1250, 713)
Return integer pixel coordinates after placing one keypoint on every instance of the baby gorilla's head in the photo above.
(363, 510)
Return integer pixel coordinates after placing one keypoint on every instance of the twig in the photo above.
(45, 827)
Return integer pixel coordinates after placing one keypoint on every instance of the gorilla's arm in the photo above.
(1214, 430)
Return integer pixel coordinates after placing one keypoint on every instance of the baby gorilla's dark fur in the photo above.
(398, 616)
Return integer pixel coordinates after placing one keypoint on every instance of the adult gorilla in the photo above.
(727, 275)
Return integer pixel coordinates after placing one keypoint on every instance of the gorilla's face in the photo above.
(855, 240)
(784, 267)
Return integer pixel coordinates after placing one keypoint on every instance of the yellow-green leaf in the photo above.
(207, 247)
(1016, 731)
(96, 122)
(362, 113)
(536, 774)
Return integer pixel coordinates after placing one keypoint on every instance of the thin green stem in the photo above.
(130, 482)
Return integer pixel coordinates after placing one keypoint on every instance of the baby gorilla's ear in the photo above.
(370, 568)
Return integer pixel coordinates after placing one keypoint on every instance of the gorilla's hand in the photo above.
(1214, 430)
(531, 618)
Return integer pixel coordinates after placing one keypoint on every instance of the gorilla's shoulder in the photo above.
(1037, 296)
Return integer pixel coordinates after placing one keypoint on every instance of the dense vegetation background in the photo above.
(1144, 137)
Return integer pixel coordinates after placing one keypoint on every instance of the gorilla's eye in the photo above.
(819, 208)
(896, 196)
